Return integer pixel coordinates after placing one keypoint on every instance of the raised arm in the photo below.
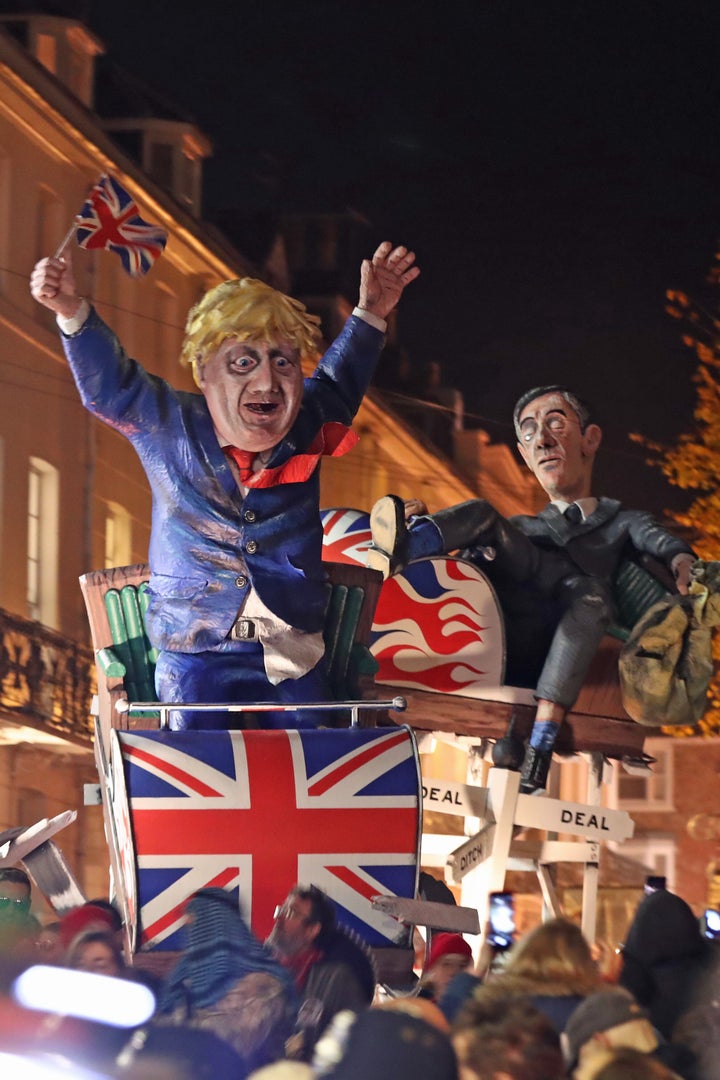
(384, 277)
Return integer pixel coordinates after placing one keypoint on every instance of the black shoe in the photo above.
(388, 551)
(535, 770)
(508, 752)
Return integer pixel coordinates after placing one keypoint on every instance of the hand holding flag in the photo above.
(109, 220)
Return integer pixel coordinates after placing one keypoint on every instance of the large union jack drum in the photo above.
(257, 811)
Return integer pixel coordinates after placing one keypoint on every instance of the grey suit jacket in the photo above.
(598, 544)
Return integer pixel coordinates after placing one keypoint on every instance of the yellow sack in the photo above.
(666, 664)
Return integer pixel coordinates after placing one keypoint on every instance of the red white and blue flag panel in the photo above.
(346, 535)
(109, 221)
(438, 627)
(258, 811)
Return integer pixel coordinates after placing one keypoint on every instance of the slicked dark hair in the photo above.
(17, 876)
(581, 408)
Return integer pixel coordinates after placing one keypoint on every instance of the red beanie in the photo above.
(87, 917)
(446, 945)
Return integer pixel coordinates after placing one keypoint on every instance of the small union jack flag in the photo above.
(109, 221)
(259, 811)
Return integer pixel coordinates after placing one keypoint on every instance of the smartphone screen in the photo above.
(711, 920)
(502, 920)
(653, 883)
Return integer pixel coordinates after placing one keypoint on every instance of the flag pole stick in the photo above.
(66, 239)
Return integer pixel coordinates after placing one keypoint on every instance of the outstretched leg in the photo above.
(575, 642)
(469, 525)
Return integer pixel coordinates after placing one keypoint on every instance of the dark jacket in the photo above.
(598, 544)
(665, 958)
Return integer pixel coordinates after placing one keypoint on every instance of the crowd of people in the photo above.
(305, 1003)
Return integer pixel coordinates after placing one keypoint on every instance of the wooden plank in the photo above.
(448, 917)
(489, 720)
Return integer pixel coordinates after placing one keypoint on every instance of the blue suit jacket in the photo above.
(208, 544)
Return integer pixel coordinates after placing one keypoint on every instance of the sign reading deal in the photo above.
(446, 797)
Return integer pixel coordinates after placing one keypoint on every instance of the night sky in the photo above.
(556, 166)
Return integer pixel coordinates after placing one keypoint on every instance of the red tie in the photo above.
(333, 440)
(244, 459)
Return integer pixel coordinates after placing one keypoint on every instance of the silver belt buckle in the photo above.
(244, 630)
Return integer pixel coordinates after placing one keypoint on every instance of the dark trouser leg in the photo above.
(575, 642)
(587, 604)
(477, 524)
(470, 525)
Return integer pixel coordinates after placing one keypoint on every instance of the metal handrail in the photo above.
(397, 704)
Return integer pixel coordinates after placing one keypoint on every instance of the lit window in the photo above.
(42, 542)
(118, 535)
(46, 45)
(655, 853)
(651, 789)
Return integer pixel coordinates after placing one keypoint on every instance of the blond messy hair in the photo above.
(555, 951)
(251, 310)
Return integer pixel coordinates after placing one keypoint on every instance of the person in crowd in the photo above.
(609, 1019)
(383, 1044)
(237, 591)
(506, 1039)
(626, 1064)
(48, 946)
(18, 927)
(82, 919)
(420, 1007)
(698, 1030)
(95, 950)
(551, 966)
(112, 910)
(449, 954)
(553, 571)
(665, 958)
(227, 982)
(331, 969)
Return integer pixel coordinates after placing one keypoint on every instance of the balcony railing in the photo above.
(46, 680)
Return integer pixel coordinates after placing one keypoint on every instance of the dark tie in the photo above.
(573, 513)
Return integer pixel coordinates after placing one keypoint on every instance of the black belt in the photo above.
(244, 630)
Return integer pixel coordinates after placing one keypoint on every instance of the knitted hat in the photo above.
(601, 1012)
(87, 917)
(447, 945)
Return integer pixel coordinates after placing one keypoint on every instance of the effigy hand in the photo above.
(384, 277)
(52, 284)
